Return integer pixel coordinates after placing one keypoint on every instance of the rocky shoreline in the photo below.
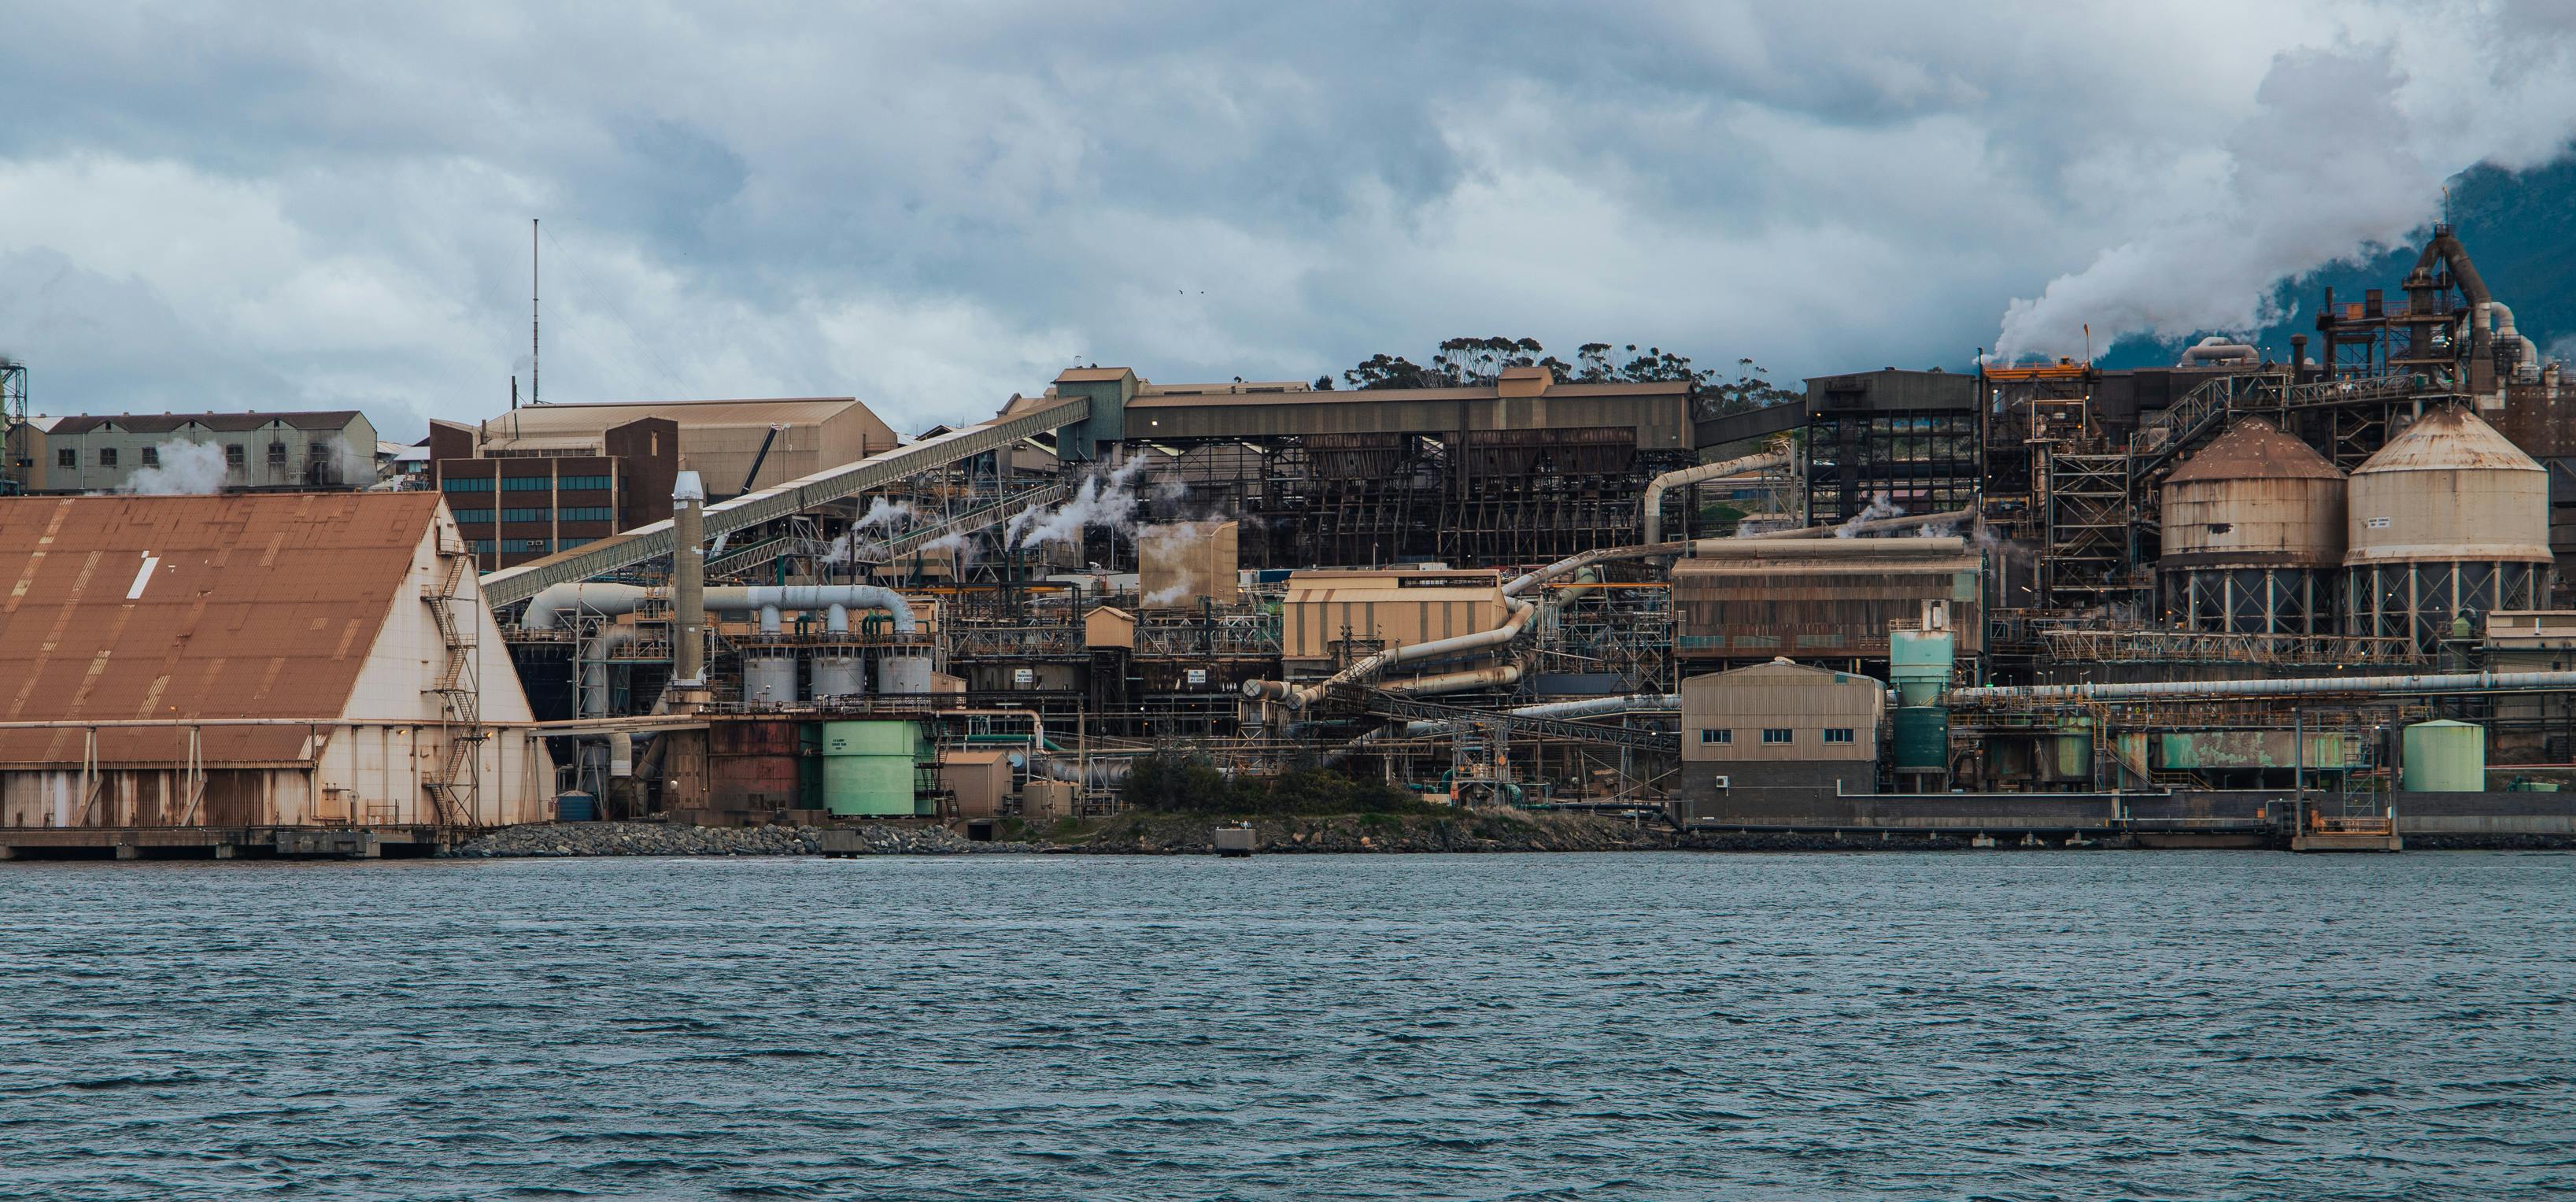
(1170, 834)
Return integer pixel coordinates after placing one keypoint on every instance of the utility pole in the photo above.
(533, 344)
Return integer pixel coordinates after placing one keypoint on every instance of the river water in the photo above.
(1916, 1026)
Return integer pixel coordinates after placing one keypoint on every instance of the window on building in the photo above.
(233, 455)
(1775, 735)
(107, 456)
(527, 515)
(67, 457)
(526, 483)
(566, 544)
(1838, 734)
(461, 483)
(318, 452)
(482, 546)
(537, 545)
(151, 456)
(475, 517)
(277, 455)
(572, 483)
(586, 513)
(1716, 738)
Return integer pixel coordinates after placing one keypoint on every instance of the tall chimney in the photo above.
(689, 578)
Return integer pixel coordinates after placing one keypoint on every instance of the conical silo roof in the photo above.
(2254, 449)
(2448, 439)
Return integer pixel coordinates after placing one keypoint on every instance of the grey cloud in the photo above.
(932, 206)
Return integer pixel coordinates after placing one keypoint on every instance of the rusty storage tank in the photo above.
(754, 765)
(2253, 535)
(2448, 521)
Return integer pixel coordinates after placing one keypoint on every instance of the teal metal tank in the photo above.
(1918, 664)
(868, 769)
(2444, 757)
(1922, 738)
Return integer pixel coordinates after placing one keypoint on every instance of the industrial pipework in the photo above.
(1655, 488)
(2449, 682)
(764, 600)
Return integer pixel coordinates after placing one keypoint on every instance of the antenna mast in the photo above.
(533, 344)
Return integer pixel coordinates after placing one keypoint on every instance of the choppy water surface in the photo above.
(1633, 1026)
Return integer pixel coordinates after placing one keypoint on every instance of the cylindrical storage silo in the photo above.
(2444, 757)
(2448, 521)
(903, 674)
(1918, 664)
(768, 679)
(868, 768)
(2253, 535)
(839, 676)
(1922, 739)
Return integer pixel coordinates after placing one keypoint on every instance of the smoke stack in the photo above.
(689, 577)
(2298, 357)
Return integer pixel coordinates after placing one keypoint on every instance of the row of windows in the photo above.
(151, 456)
(571, 513)
(512, 483)
(514, 546)
(1772, 736)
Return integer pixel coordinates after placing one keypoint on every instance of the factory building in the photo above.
(254, 661)
(297, 451)
(1823, 600)
(735, 446)
(1780, 725)
(516, 508)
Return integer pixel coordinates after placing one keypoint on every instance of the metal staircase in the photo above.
(455, 790)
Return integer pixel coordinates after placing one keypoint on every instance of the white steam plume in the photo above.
(186, 468)
(1881, 505)
(1104, 499)
(354, 468)
(890, 516)
(2343, 153)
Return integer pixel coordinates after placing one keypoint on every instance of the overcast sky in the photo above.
(931, 206)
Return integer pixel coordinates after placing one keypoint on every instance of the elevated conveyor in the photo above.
(644, 543)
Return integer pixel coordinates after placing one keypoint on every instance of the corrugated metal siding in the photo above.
(1804, 700)
(1819, 609)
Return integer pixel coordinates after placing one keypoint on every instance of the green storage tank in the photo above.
(868, 769)
(2444, 757)
(1922, 738)
(1918, 664)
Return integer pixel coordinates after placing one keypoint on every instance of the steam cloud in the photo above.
(2344, 154)
(889, 516)
(1151, 545)
(1881, 505)
(1104, 499)
(186, 469)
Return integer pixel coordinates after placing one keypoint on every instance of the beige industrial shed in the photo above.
(719, 439)
(1781, 724)
(253, 661)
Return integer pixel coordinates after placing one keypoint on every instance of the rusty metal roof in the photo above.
(592, 417)
(2254, 449)
(2448, 439)
(239, 606)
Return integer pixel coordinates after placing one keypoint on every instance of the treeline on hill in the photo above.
(1469, 362)
(1171, 785)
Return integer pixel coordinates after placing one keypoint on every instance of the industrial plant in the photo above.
(2301, 596)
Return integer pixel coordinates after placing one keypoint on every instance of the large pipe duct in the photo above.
(688, 580)
(2445, 248)
(2451, 682)
(1297, 699)
(2217, 349)
(1587, 708)
(545, 609)
(1655, 488)
(1498, 676)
